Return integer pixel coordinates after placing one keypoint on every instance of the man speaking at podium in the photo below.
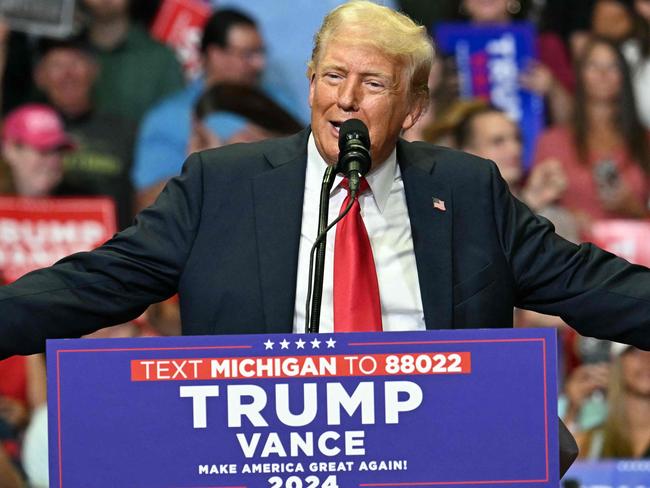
(452, 248)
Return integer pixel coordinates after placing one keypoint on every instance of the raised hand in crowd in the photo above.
(539, 78)
(581, 384)
(546, 184)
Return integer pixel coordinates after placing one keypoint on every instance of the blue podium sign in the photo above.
(452, 407)
(490, 60)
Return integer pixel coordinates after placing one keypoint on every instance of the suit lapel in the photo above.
(278, 196)
(432, 232)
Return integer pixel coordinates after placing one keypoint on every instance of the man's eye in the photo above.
(375, 85)
(333, 76)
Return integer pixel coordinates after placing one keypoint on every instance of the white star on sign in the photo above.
(300, 344)
(268, 344)
(284, 344)
(330, 343)
(315, 344)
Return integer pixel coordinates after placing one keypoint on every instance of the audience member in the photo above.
(481, 129)
(288, 27)
(582, 405)
(637, 53)
(612, 20)
(225, 114)
(101, 163)
(626, 431)
(232, 52)
(33, 146)
(231, 113)
(603, 151)
(551, 75)
(488, 132)
(136, 71)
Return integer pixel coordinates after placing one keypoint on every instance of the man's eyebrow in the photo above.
(338, 67)
(334, 66)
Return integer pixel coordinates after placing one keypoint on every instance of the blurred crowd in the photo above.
(108, 111)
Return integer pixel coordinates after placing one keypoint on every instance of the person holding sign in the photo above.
(451, 247)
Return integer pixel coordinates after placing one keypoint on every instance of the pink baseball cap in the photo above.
(37, 126)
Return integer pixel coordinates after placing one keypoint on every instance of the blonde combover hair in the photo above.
(392, 32)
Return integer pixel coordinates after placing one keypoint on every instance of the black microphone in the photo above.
(354, 156)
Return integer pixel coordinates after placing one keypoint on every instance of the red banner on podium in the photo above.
(37, 232)
(179, 24)
(629, 239)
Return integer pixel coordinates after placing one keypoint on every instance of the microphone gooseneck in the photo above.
(354, 162)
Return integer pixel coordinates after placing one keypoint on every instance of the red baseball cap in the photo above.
(38, 126)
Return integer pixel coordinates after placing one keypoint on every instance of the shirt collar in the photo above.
(380, 179)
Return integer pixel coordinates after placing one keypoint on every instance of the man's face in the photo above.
(241, 61)
(66, 76)
(356, 81)
(494, 136)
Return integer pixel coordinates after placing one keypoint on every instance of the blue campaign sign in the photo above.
(490, 60)
(610, 474)
(448, 407)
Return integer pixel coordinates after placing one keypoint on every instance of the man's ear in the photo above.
(418, 107)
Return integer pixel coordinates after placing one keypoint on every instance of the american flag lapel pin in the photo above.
(439, 204)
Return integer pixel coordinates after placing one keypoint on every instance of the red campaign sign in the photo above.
(179, 24)
(37, 232)
(629, 239)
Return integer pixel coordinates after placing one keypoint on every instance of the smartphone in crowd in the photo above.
(606, 175)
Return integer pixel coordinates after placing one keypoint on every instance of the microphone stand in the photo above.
(323, 214)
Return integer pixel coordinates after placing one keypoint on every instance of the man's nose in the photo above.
(349, 96)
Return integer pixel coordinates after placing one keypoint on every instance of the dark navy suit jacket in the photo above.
(225, 235)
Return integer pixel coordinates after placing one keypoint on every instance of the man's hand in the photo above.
(537, 78)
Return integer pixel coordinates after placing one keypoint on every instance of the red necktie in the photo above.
(356, 291)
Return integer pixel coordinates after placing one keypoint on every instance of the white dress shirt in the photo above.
(386, 218)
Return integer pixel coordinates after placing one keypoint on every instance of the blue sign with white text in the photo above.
(490, 60)
(446, 407)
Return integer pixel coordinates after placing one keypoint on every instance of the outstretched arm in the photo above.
(596, 292)
(112, 284)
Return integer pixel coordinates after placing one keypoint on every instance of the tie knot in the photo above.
(363, 185)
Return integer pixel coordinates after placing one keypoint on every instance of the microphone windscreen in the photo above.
(353, 129)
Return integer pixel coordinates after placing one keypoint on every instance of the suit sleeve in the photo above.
(111, 284)
(596, 292)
